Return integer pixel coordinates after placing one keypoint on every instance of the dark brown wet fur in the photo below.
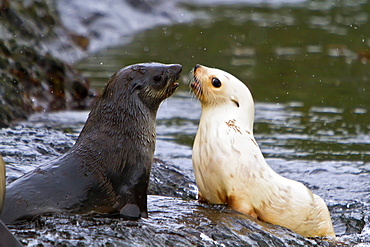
(108, 168)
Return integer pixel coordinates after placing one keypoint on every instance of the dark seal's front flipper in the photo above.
(135, 195)
(132, 212)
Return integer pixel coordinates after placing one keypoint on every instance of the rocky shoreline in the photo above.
(41, 38)
(32, 78)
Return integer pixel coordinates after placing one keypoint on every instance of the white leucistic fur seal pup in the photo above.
(229, 166)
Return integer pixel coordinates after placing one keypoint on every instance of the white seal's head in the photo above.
(218, 89)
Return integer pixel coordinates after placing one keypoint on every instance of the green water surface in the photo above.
(309, 58)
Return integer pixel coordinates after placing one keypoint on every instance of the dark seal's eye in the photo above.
(157, 78)
(216, 82)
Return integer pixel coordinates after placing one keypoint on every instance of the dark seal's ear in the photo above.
(136, 86)
(114, 85)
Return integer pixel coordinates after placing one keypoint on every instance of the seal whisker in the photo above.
(196, 86)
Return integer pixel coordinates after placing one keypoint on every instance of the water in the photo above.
(306, 65)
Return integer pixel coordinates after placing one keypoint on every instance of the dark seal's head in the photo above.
(148, 84)
(133, 94)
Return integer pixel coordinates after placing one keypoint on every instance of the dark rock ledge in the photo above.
(31, 79)
(39, 38)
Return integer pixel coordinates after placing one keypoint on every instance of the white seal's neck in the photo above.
(243, 116)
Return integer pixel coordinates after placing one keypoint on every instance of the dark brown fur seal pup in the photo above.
(108, 168)
(6, 237)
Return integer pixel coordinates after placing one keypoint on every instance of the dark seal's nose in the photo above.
(196, 67)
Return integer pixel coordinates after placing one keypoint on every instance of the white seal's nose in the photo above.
(197, 66)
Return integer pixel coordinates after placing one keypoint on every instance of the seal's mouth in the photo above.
(173, 85)
(175, 82)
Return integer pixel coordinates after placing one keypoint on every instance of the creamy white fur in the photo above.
(230, 168)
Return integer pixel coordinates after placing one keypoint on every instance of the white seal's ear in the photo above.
(233, 99)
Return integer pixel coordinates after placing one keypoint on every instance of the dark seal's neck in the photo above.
(116, 130)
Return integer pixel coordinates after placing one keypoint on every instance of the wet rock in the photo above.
(32, 77)
(171, 222)
(350, 218)
(105, 25)
(167, 180)
(38, 38)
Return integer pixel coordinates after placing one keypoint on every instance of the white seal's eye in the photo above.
(157, 78)
(216, 82)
